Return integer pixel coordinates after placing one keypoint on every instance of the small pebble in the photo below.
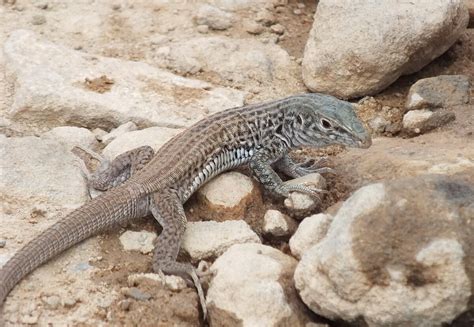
(125, 305)
(38, 20)
(278, 29)
(297, 12)
(203, 29)
(301, 5)
(52, 302)
(136, 294)
(3, 243)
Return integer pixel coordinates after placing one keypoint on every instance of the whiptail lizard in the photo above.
(139, 182)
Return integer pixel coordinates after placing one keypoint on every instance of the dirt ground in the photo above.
(123, 29)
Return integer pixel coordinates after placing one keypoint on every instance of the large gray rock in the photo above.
(213, 17)
(56, 86)
(356, 48)
(397, 253)
(252, 286)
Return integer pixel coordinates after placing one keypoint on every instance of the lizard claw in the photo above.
(310, 166)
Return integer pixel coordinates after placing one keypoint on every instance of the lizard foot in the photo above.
(310, 166)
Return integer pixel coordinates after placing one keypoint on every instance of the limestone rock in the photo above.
(252, 286)
(277, 224)
(357, 48)
(72, 136)
(228, 196)
(310, 232)
(57, 86)
(116, 132)
(138, 241)
(213, 17)
(420, 121)
(152, 136)
(298, 201)
(209, 239)
(393, 243)
(246, 63)
(440, 91)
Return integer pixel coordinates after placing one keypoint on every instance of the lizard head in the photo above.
(324, 120)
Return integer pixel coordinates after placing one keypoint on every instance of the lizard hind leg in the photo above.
(168, 211)
(110, 174)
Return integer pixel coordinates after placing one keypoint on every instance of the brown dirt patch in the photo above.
(100, 84)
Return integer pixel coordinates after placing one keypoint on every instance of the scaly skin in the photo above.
(259, 135)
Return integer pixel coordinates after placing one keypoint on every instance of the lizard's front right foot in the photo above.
(285, 190)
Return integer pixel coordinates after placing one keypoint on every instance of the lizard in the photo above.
(140, 182)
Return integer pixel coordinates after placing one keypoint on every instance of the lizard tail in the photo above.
(96, 215)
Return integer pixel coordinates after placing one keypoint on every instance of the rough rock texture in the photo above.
(56, 86)
(404, 241)
(209, 239)
(152, 136)
(420, 121)
(116, 132)
(72, 136)
(138, 241)
(470, 7)
(310, 231)
(213, 17)
(246, 63)
(439, 92)
(357, 48)
(277, 224)
(252, 286)
(228, 196)
(302, 202)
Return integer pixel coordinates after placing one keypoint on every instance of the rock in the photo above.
(237, 5)
(57, 86)
(440, 91)
(356, 48)
(213, 17)
(116, 132)
(402, 241)
(252, 286)
(266, 17)
(420, 121)
(252, 27)
(26, 171)
(3, 243)
(203, 29)
(152, 136)
(136, 294)
(51, 302)
(72, 136)
(209, 239)
(246, 63)
(138, 241)
(470, 7)
(172, 282)
(38, 20)
(382, 119)
(277, 224)
(277, 29)
(310, 232)
(227, 196)
(299, 201)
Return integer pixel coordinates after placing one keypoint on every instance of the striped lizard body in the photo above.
(139, 182)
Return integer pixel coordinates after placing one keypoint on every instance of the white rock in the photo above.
(138, 241)
(116, 132)
(356, 48)
(152, 136)
(277, 224)
(310, 232)
(72, 136)
(420, 121)
(300, 201)
(209, 239)
(250, 285)
(51, 89)
(386, 248)
(213, 17)
(244, 62)
(172, 282)
(227, 190)
(32, 166)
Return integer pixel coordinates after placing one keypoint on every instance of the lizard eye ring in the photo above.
(325, 123)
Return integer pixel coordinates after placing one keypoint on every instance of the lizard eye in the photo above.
(326, 124)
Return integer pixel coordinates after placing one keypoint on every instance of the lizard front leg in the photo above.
(295, 169)
(261, 166)
(113, 173)
(168, 211)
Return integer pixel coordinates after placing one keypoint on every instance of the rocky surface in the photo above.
(277, 224)
(303, 202)
(439, 92)
(77, 77)
(138, 241)
(252, 286)
(421, 121)
(350, 273)
(358, 48)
